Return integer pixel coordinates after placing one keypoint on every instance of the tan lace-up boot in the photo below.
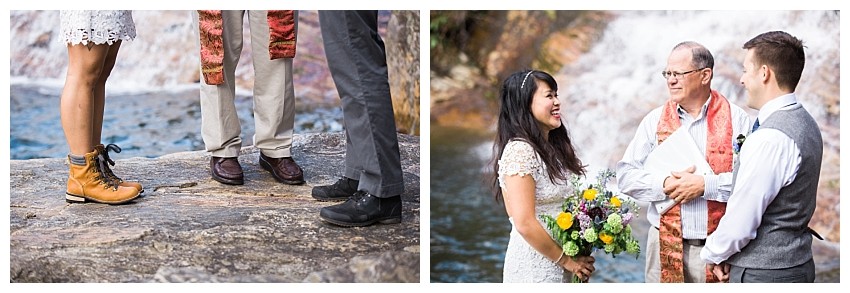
(87, 182)
(100, 149)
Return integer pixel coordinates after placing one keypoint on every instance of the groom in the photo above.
(674, 241)
(765, 236)
(372, 182)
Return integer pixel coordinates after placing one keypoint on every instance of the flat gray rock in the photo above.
(190, 228)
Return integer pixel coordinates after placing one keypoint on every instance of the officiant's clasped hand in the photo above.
(683, 186)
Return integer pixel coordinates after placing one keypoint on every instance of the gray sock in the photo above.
(77, 160)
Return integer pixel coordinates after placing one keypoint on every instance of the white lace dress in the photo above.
(523, 264)
(96, 26)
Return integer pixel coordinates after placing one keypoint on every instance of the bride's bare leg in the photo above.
(76, 106)
(100, 92)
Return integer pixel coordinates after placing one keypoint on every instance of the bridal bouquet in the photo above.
(594, 218)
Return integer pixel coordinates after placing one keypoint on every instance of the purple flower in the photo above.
(596, 213)
(585, 221)
(627, 218)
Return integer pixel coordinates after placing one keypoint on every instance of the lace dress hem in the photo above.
(96, 27)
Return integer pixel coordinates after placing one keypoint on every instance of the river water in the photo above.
(152, 104)
(142, 123)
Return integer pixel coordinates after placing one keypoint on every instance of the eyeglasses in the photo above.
(678, 75)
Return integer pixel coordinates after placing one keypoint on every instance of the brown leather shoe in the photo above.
(284, 170)
(226, 170)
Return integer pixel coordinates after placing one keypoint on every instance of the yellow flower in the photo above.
(564, 220)
(589, 194)
(615, 201)
(607, 239)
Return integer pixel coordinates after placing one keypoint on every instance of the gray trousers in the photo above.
(358, 65)
(274, 94)
(804, 273)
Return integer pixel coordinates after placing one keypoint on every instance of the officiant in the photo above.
(699, 199)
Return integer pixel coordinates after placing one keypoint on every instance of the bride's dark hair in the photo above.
(517, 123)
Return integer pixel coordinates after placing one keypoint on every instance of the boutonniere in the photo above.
(738, 143)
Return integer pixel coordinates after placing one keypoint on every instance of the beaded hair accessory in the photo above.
(524, 78)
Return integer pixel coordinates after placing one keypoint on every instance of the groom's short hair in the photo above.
(783, 53)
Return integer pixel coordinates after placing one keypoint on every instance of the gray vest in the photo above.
(783, 240)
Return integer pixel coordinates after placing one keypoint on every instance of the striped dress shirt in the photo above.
(644, 186)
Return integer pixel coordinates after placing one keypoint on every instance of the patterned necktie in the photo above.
(755, 126)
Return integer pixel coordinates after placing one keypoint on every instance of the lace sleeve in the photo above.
(518, 158)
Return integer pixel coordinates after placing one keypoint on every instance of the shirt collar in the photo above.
(683, 113)
(775, 105)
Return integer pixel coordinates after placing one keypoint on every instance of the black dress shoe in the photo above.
(363, 209)
(284, 170)
(226, 170)
(339, 191)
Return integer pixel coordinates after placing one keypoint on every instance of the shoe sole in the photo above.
(265, 165)
(329, 199)
(73, 198)
(227, 181)
(390, 220)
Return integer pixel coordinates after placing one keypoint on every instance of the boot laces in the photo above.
(105, 155)
(360, 196)
(101, 165)
(344, 185)
(341, 184)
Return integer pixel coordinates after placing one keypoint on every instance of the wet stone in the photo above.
(190, 228)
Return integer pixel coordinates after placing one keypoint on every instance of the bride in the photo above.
(93, 38)
(535, 159)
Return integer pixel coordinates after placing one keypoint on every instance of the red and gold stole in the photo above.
(719, 156)
(281, 40)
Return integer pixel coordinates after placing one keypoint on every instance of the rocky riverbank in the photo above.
(189, 228)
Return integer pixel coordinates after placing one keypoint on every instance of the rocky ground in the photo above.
(189, 228)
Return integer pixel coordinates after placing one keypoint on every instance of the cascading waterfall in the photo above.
(606, 93)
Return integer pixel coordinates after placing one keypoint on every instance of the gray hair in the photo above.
(702, 57)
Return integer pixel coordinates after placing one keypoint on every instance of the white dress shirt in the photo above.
(642, 185)
(769, 160)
